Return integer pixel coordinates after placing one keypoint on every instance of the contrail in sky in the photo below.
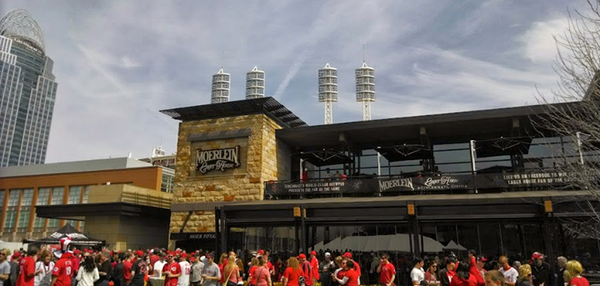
(291, 73)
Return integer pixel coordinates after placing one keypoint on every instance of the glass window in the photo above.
(75, 195)
(86, 194)
(11, 210)
(42, 200)
(26, 201)
(57, 199)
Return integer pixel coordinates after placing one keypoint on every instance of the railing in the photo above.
(419, 184)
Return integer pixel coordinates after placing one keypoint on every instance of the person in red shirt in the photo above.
(127, 264)
(306, 270)
(473, 270)
(463, 277)
(63, 270)
(387, 271)
(314, 266)
(292, 273)
(173, 272)
(27, 268)
(348, 256)
(447, 275)
(574, 268)
(350, 277)
(269, 264)
(222, 264)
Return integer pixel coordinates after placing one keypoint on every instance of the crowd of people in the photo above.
(69, 266)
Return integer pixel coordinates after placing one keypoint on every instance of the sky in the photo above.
(117, 63)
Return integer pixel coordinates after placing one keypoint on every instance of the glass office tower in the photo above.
(27, 89)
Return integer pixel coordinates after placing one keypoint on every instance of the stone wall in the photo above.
(262, 159)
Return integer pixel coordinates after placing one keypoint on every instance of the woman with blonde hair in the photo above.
(222, 263)
(231, 271)
(291, 275)
(575, 269)
(524, 276)
(262, 274)
(44, 267)
(251, 277)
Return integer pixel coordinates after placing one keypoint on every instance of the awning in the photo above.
(503, 146)
(77, 238)
(325, 157)
(405, 152)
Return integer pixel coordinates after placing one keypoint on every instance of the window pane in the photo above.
(75, 195)
(86, 194)
(42, 200)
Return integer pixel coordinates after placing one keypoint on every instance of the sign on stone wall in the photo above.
(217, 159)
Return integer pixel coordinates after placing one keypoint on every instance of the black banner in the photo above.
(424, 183)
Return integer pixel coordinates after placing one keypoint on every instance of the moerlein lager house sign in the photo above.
(217, 159)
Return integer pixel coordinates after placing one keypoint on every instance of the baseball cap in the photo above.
(208, 256)
(77, 251)
(301, 256)
(327, 254)
(347, 255)
(16, 255)
(536, 255)
(139, 253)
(313, 253)
(184, 255)
(482, 259)
(261, 252)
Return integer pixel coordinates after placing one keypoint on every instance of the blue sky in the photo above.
(119, 62)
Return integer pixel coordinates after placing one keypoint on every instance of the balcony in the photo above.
(412, 184)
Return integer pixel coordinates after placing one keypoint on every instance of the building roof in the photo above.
(265, 105)
(72, 167)
(458, 127)
(19, 24)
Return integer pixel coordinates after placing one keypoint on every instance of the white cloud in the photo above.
(430, 57)
(538, 41)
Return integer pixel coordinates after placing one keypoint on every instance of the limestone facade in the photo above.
(262, 158)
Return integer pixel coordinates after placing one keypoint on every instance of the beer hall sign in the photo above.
(217, 159)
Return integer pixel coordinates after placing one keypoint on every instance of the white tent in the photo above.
(392, 242)
(354, 242)
(454, 246)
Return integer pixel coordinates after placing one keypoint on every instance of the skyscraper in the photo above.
(27, 90)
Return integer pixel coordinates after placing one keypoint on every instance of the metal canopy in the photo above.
(266, 105)
(405, 152)
(324, 157)
(503, 146)
(459, 127)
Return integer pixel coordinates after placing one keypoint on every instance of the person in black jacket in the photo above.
(541, 271)
(104, 269)
(448, 273)
(117, 276)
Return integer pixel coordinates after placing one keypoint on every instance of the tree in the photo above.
(574, 114)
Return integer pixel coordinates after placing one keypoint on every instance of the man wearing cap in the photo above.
(326, 268)
(314, 266)
(173, 271)
(63, 269)
(540, 270)
(477, 270)
(14, 268)
(105, 269)
(211, 274)
(159, 265)
(348, 256)
(306, 270)
(139, 269)
(186, 269)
